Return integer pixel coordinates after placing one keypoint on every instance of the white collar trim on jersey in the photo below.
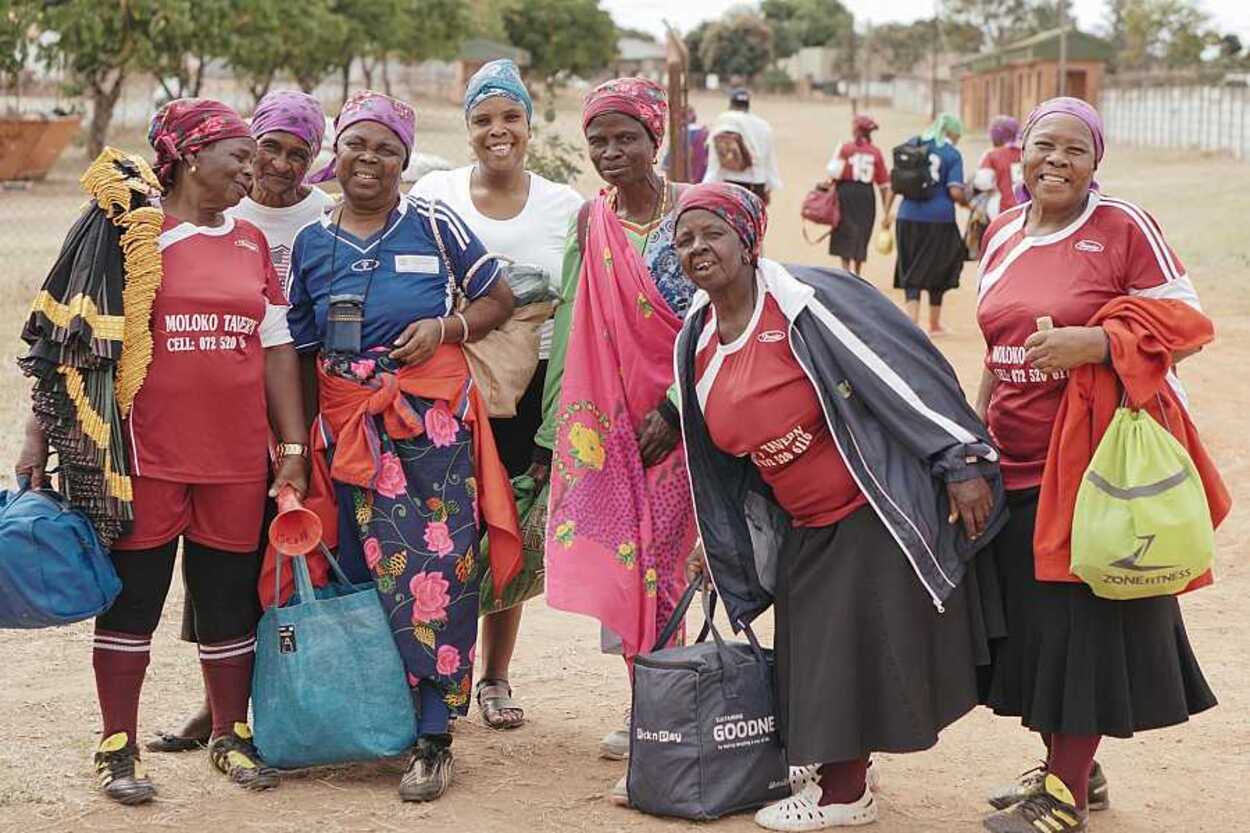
(401, 210)
(989, 279)
(182, 231)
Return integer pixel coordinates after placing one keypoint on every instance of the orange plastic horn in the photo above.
(296, 530)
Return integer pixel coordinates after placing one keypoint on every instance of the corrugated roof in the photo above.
(1044, 46)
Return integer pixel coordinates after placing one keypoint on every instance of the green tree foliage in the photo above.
(1167, 33)
(901, 46)
(269, 38)
(1001, 21)
(18, 18)
(799, 23)
(694, 46)
(553, 157)
(739, 45)
(196, 32)
(563, 37)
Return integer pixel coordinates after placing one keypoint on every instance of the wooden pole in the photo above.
(677, 61)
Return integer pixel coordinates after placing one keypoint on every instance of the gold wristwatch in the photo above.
(292, 450)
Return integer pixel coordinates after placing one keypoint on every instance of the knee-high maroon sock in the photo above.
(843, 782)
(1072, 758)
(227, 670)
(120, 661)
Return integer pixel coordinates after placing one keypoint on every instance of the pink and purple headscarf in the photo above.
(1066, 105)
(639, 98)
(742, 210)
(1004, 130)
(291, 111)
(368, 105)
(187, 125)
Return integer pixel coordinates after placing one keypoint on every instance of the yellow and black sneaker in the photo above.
(1053, 810)
(1034, 781)
(235, 756)
(120, 773)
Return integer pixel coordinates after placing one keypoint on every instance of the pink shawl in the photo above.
(617, 534)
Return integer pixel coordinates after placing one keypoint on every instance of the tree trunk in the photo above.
(103, 99)
(386, 76)
(367, 68)
(197, 80)
(347, 80)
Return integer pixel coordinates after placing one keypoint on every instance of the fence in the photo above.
(1211, 118)
(910, 95)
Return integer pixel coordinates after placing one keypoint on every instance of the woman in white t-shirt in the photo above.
(526, 218)
(288, 128)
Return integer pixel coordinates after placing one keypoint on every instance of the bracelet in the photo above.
(442, 330)
(464, 326)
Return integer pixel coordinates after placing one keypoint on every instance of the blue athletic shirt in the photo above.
(410, 281)
(948, 169)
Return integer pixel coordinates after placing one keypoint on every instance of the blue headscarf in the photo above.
(501, 78)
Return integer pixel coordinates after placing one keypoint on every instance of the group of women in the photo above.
(808, 436)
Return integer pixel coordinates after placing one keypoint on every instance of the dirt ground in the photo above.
(546, 776)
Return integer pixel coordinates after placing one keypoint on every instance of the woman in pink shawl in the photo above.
(620, 525)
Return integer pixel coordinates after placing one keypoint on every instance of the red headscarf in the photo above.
(187, 125)
(639, 98)
(862, 127)
(741, 209)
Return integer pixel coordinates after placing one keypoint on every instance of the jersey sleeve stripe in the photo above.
(1153, 237)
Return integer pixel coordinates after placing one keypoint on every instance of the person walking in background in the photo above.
(1075, 667)
(856, 167)
(999, 172)
(741, 149)
(288, 128)
(620, 524)
(222, 371)
(696, 147)
(931, 252)
(526, 218)
(840, 475)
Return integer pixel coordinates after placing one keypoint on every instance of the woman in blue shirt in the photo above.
(931, 251)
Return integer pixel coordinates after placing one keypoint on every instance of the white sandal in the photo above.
(801, 776)
(803, 812)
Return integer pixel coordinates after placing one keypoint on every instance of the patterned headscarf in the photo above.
(1004, 130)
(498, 78)
(638, 98)
(188, 125)
(741, 209)
(862, 127)
(1072, 107)
(944, 125)
(368, 105)
(291, 112)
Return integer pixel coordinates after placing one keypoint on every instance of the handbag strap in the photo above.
(456, 294)
(303, 579)
(679, 614)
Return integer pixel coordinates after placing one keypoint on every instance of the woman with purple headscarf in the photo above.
(999, 171)
(1074, 283)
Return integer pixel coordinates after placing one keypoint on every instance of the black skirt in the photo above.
(514, 436)
(865, 662)
(859, 217)
(1077, 664)
(930, 255)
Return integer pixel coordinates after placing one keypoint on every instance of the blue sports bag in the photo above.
(53, 569)
(329, 685)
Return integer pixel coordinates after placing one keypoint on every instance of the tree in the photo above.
(739, 45)
(694, 45)
(799, 23)
(903, 45)
(999, 20)
(267, 39)
(195, 33)
(1162, 32)
(563, 37)
(17, 22)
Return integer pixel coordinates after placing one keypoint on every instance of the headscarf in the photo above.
(291, 112)
(862, 127)
(368, 105)
(188, 125)
(1072, 107)
(498, 78)
(942, 126)
(1004, 130)
(742, 210)
(639, 98)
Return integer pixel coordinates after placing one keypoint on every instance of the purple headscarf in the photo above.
(368, 105)
(292, 112)
(1076, 108)
(1004, 130)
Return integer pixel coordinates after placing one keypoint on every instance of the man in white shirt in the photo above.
(761, 175)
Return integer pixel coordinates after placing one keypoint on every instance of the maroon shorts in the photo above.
(224, 516)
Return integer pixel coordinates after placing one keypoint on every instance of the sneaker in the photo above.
(235, 756)
(803, 811)
(1032, 782)
(120, 773)
(429, 771)
(1052, 810)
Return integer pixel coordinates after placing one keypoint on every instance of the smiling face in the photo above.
(499, 133)
(1059, 162)
(368, 163)
(712, 254)
(281, 163)
(223, 171)
(620, 149)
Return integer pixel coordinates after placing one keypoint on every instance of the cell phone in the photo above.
(344, 321)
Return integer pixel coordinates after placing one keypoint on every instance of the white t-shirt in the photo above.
(535, 237)
(280, 225)
(757, 135)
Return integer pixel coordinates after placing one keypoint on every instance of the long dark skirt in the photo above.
(930, 255)
(1078, 664)
(859, 217)
(865, 662)
(514, 436)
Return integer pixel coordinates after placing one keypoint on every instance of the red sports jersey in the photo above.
(1005, 163)
(200, 416)
(758, 401)
(1114, 248)
(860, 163)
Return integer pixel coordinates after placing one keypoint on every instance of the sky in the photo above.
(1229, 15)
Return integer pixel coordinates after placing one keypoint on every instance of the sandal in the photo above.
(499, 710)
(803, 811)
(169, 742)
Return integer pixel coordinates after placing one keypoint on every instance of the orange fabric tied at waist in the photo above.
(346, 408)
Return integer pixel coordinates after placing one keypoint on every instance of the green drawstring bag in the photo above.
(1142, 526)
